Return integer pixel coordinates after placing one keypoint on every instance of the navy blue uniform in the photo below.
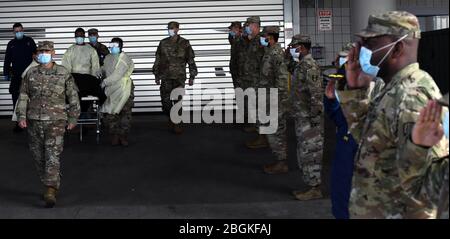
(19, 55)
(343, 162)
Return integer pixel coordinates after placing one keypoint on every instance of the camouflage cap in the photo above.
(235, 24)
(271, 29)
(394, 23)
(45, 45)
(299, 39)
(254, 19)
(444, 100)
(92, 31)
(346, 49)
(173, 25)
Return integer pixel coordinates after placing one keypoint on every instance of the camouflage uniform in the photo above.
(252, 56)
(172, 55)
(390, 170)
(120, 124)
(274, 74)
(42, 103)
(307, 108)
(235, 43)
(250, 60)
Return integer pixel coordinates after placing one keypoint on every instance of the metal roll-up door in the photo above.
(142, 24)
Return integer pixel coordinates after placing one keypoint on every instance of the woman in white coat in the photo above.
(119, 89)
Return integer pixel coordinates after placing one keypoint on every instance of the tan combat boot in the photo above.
(259, 143)
(279, 167)
(115, 140)
(50, 197)
(311, 194)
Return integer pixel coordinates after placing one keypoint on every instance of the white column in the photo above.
(360, 10)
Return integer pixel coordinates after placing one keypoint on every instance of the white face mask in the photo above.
(172, 32)
(295, 55)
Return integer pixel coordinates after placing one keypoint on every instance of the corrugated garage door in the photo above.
(141, 24)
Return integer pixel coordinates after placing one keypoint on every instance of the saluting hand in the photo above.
(428, 131)
(356, 79)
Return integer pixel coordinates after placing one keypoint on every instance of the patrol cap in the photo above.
(92, 31)
(235, 24)
(393, 23)
(45, 45)
(444, 100)
(172, 25)
(300, 39)
(254, 19)
(346, 49)
(270, 30)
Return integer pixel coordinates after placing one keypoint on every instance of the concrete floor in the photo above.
(205, 173)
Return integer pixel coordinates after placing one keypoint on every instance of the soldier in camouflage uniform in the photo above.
(42, 109)
(390, 165)
(250, 76)
(172, 55)
(234, 37)
(307, 108)
(102, 50)
(274, 74)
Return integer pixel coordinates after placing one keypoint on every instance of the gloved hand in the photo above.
(99, 74)
(7, 78)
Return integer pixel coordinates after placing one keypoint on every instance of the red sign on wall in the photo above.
(325, 21)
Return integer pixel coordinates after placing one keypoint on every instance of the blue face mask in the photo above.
(264, 42)
(365, 57)
(445, 125)
(19, 35)
(342, 61)
(115, 50)
(232, 34)
(93, 40)
(79, 40)
(248, 30)
(44, 58)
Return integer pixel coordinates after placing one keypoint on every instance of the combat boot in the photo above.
(259, 143)
(311, 194)
(279, 167)
(50, 197)
(177, 129)
(115, 140)
(124, 141)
